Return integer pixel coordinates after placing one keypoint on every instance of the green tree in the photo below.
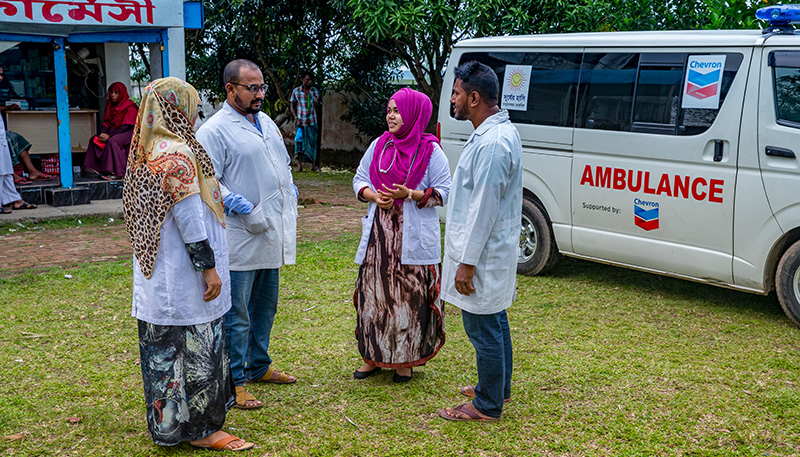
(284, 38)
(421, 33)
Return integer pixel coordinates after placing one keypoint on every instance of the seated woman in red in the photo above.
(108, 152)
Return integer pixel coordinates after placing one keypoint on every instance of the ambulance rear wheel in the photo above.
(787, 283)
(537, 245)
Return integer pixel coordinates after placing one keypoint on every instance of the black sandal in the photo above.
(24, 205)
(4, 210)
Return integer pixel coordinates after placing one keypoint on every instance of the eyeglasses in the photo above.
(254, 88)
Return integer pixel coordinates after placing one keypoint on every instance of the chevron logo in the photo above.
(702, 85)
(645, 214)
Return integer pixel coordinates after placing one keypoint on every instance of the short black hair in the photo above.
(305, 73)
(234, 69)
(480, 78)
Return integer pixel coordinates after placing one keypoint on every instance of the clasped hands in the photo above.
(103, 137)
(385, 198)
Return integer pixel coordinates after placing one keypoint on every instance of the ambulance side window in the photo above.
(607, 83)
(552, 88)
(643, 92)
(656, 104)
(786, 84)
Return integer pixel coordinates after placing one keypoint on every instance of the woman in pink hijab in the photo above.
(404, 176)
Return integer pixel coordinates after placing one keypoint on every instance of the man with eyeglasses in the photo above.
(254, 172)
(303, 103)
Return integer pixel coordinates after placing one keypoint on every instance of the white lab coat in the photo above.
(255, 165)
(422, 236)
(174, 293)
(484, 217)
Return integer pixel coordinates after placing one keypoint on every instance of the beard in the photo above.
(249, 109)
(457, 114)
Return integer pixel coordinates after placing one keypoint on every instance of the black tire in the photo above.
(537, 245)
(787, 282)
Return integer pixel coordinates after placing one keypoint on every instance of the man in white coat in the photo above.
(481, 238)
(254, 172)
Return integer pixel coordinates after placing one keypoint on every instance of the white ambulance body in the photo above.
(669, 152)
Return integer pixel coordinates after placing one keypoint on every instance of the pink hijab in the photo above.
(415, 108)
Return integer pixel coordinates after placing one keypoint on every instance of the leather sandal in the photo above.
(220, 444)
(242, 397)
(283, 378)
(467, 412)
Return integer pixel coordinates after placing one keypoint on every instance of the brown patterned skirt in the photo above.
(400, 320)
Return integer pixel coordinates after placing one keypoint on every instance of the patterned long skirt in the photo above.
(400, 320)
(188, 388)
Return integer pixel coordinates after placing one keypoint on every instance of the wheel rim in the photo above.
(796, 284)
(528, 240)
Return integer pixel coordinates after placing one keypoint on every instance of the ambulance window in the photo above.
(551, 88)
(786, 82)
(658, 89)
(694, 121)
(607, 81)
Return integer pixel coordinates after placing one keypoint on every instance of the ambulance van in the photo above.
(670, 152)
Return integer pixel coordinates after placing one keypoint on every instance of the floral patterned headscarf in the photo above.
(166, 165)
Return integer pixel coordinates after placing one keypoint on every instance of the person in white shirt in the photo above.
(181, 288)
(9, 197)
(482, 236)
(254, 171)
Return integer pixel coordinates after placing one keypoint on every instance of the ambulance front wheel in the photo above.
(787, 283)
(537, 245)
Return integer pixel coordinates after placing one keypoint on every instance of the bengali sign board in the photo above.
(128, 13)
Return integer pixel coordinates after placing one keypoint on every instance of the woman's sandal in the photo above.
(469, 391)
(242, 397)
(220, 444)
(472, 415)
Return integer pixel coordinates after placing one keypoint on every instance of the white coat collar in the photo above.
(491, 121)
(238, 118)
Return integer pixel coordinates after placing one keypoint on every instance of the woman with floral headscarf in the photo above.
(181, 284)
(108, 152)
(404, 175)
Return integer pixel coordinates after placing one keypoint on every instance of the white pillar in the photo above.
(155, 61)
(117, 65)
(177, 52)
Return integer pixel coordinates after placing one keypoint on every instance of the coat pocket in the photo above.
(430, 233)
(255, 222)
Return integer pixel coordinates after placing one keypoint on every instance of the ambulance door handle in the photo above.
(717, 150)
(780, 152)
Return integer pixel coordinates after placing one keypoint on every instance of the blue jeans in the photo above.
(254, 302)
(491, 337)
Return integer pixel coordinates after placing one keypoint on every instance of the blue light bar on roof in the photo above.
(779, 15)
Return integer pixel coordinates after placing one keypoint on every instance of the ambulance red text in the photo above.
(678, 186)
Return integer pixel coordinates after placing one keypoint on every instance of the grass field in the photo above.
(607, 362)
